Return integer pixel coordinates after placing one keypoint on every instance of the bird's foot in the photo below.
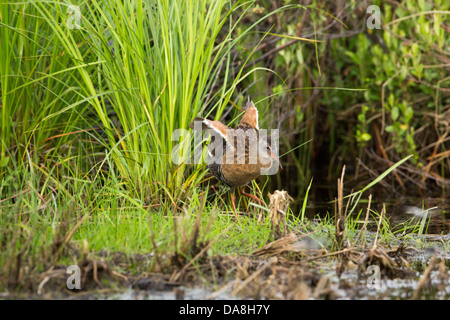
(252, 196)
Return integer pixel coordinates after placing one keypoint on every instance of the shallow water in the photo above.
(398, 288)
(196, 293)
(350, 285)
(399, 211)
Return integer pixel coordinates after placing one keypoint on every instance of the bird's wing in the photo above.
(216, 126)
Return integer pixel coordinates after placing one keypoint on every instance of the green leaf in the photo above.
(394, 113)
(418, 71)
(422, 5)
(305, 201)
(361, 117)
(414, 49)
(366, 136)
(408, 114)
(391, 100)
(4, 162)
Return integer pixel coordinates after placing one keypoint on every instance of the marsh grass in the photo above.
(145, 63)
(86, 122)
(87, 116)
(61, 227)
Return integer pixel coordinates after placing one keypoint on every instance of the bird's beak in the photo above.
(276, 158)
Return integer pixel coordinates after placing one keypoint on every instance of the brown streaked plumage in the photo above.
(234, 167)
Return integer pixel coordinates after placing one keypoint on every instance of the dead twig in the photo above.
(425, 281)
(272, 261)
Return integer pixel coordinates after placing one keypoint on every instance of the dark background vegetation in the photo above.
(404, 67)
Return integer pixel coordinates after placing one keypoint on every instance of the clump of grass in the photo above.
(137, 81)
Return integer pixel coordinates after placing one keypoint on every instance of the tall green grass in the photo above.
(134, 71)
(38, 79)
(87, 116)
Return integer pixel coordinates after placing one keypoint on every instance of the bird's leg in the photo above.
(251, 196)
(234, 204)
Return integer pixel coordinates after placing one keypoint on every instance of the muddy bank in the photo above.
(292, 267)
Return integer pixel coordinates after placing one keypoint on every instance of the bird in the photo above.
(238, 156)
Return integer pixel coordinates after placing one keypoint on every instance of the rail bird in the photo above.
(238, 156)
